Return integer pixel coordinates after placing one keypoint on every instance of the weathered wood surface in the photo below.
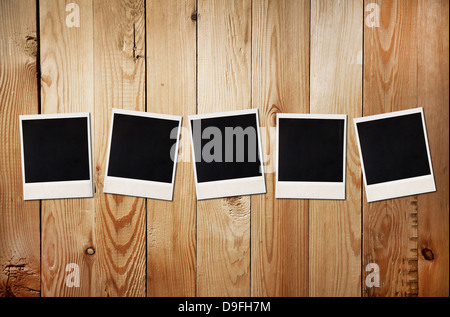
(280, 83)
(336, 87)
(224, 84)
(171, 89)
(400, 72)
(19, 220)
(199, 56)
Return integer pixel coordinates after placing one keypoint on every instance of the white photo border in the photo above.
(137, 187)
(230, 187)
(311, 190)
(398, 188)
(58, 189)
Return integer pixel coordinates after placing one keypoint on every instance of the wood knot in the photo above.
(232, 201)
(31, 46)
(236, 206)
(90, 251)
(272, 115)
(428, 254)
(194, 16)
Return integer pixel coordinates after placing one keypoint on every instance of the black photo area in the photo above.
(311, 150)
(56, 149)
(393, 148)
(223, 169)
(140, 148)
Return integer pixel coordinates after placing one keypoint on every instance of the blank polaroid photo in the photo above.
(395, 156)
(56, 156)
(227, 154)
(311, 151)
(142, 154)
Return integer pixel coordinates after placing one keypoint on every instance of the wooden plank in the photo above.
(224, 83)
(120, 222)
(171, 89)
(19, 220)
(433, 96)
(280, 83)
(336, 87)
(390, 84)
(67, 85)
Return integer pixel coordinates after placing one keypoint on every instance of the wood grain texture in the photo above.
(390, 84)
(67, 85)
(171, 89)
(160, 56)
(433, 96)
(336, 88)
(224, 83)
(119, 77)
(280, 83)
(19, 220)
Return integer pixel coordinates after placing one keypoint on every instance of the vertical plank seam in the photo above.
(92, 132)
(38, 84)
(92, 118)
(251, 106)
(92, 136)
(192, 155)
(418, 38)
(38, 57)
(309, 111)
(145, 109)
(309, 71)
(417, 30)
(361, 179)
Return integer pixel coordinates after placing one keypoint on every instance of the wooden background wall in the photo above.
(196, 56)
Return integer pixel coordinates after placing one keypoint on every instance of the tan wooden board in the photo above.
(19, 220)
(224, 84)
(171, 89)
(336, 88)
(280, 83)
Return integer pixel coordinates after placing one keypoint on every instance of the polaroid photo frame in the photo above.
(395, 156)
(227, 154)
(142, 154)
(56, 156)
(311, 156)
